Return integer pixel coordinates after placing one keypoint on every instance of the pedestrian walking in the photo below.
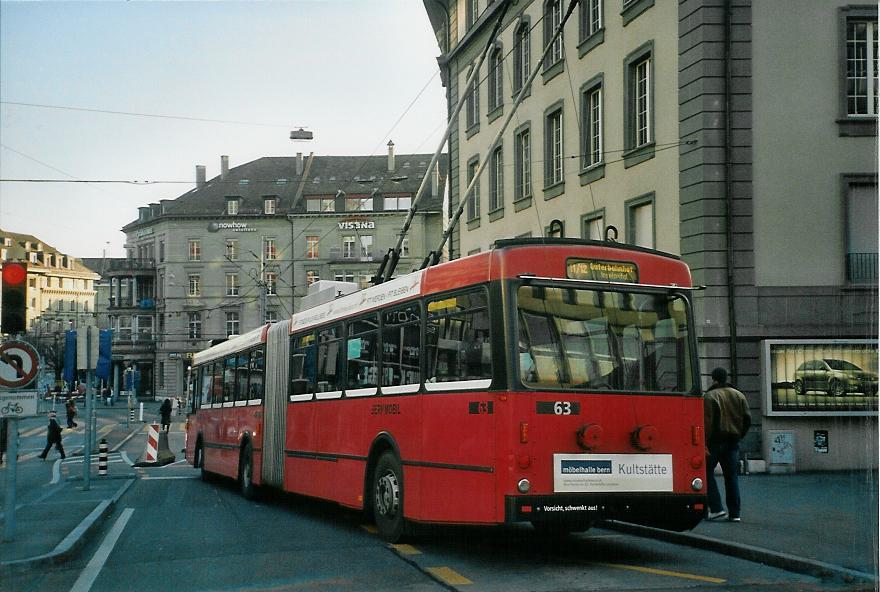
(165, 412)
(727, 420)
(4, 430)
(70, 407)
(53, 436)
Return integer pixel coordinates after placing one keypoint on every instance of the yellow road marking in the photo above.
(407, 550)
(105, 429)
(31, 432)
(370, 528)
(664, 572)
(450, 576)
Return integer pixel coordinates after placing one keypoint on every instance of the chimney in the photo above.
(200, 176)
(224, 167)
(390, 156)
(299, 163)
(435, 179)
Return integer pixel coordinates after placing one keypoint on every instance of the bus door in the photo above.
(458, 438)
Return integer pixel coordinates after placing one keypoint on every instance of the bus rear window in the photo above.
(579, 339)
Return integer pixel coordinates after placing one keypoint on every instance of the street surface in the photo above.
(173, 531)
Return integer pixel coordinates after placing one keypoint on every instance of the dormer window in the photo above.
(269, 205)
(232, 206)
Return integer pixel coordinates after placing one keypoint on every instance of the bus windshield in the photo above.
(595, 340)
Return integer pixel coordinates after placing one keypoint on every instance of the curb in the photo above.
(786, 561)
(73, 541)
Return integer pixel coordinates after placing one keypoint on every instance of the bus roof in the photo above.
(231, 345)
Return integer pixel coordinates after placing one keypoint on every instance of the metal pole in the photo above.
(87, 436)
(11, 470)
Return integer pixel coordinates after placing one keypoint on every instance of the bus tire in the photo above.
(246, 473)
(388, 499)
(199, 462)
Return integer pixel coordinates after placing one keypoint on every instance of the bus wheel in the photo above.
(199, 462)
(388, 498)
(246, 473)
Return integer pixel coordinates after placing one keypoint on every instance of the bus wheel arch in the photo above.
(246, 470)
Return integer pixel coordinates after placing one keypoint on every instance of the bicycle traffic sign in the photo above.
(18, 404)
(19, 362)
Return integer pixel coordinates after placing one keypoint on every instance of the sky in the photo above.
(355, 73)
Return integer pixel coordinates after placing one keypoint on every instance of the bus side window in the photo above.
(229, 379)
(207, 379)
(457, 343)
(302, 364)
(242, 370)
(401, 336)
(362, 352)
(330, 359)
(255, 375)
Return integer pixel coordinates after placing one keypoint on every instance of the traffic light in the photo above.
(14, 298)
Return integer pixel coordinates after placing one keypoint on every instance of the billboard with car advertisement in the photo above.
(820, 377)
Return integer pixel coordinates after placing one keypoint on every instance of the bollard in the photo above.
(131, 414)
(102, 457)
(141, 412)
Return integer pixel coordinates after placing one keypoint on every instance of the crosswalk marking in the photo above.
(449, 575)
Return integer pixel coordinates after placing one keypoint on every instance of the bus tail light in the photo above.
(590, 436)
(523, 432)
(644, 436)
(697, 461)
(696, 435)
(524, 461)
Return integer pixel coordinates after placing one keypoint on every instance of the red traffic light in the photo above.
(14, 274)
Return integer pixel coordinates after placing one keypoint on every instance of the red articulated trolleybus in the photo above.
(553, 381)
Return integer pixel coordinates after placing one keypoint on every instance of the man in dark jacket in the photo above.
(727, 420)
(53, 436)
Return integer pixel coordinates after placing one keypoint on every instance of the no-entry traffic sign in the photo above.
(19, 362)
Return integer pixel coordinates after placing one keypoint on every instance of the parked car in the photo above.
(835, 377)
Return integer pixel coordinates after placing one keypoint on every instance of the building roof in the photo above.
(275, 176)
(48, 258)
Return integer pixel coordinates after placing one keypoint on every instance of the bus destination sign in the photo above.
(603, 271)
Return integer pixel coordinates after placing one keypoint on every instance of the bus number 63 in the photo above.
(562, 408)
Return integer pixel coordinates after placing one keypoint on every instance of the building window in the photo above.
(312, 247)
(471, 13)
(321, 204)
(522, 164)
(552, 19)
(639, 97)
(195, 285)
(312, 276)
(366, 247)
(591, 126)
(553, 165)
(861, 67)
(195, 250)
(861, 228)
(473, 207)
(362, 203)
(232, 206)
(232, 323)
(271, 316)
(591, 18)
(194, 324)
(496, 185)
(399, 202)
(343, 275)
(271, 283)
(472, 103)
(269, 205)
(232, 249)
(348, 243)
(593, 226)
(521, 56)
(496, 86)
(269, 250)
(161, 251)
(232, 284)
(404, 247)
(640, 221)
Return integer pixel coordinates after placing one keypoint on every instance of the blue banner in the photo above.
(69, 356)
(105, 341)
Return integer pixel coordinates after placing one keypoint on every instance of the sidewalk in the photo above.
(823, 524)
(52, 522)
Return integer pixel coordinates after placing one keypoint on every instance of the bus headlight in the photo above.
(524, 486)
(697, 484)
